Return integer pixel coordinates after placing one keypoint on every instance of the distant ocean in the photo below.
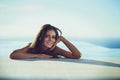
(90, 48)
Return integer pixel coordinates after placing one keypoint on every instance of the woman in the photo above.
(44, 46)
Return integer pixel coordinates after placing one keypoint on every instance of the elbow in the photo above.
(78, 56)
(12, 55)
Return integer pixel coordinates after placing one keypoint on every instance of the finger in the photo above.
(48, 56)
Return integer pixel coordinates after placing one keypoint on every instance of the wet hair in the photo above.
(42, 33)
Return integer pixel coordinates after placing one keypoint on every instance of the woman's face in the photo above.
(49, 39)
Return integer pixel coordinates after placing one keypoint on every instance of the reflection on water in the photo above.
(60, 79)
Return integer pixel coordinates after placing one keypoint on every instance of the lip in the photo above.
(50, 43)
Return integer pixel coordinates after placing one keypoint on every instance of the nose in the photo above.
(50, 38)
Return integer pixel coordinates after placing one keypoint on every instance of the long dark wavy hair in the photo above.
(41, 35)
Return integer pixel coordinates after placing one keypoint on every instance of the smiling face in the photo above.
(49, 39)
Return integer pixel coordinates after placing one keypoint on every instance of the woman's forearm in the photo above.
(19, 55)
(23, 55)
(75, 52)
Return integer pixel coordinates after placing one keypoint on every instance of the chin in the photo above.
(49, 46)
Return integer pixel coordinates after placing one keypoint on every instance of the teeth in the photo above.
(49, 43)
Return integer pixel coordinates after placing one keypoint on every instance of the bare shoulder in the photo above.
(24, 49)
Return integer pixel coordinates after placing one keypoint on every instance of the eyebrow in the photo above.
(49, 35)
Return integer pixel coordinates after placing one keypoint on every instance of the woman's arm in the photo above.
(23, 53)
(75, 53)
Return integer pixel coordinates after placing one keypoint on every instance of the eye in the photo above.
(53, 37)
(46, 36)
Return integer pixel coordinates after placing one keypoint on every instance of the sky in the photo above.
(75, 18)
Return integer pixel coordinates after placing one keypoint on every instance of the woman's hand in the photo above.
(43, 56)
